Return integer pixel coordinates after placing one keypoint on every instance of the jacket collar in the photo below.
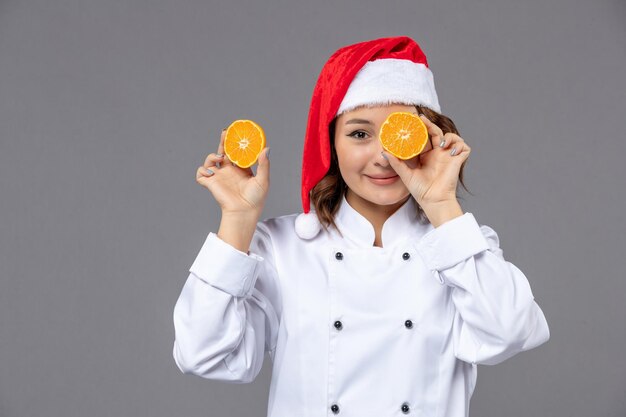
(402, 224)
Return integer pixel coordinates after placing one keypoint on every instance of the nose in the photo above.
(379, 158)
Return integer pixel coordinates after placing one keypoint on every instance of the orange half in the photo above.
(403, 135)
(244, 142)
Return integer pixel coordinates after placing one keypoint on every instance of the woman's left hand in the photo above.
(432, 176)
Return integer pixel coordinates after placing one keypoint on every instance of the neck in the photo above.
(376, 214)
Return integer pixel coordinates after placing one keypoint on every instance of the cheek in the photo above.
(352, 161)
(344, 154)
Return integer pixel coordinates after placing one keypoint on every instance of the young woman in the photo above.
(382, 300)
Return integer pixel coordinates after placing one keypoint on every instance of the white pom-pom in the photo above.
(307, 225)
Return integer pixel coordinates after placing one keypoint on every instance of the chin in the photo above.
(384, 196)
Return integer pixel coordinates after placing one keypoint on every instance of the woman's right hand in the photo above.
(237, 190)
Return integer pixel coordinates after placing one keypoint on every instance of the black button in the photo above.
(406, 256)
(339, 256)
(338, 325)
(405, 408)
(408, 324)
(334, 408)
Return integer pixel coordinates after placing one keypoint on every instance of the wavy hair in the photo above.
(328, 192)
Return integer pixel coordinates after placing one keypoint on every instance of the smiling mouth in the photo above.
(382, 178)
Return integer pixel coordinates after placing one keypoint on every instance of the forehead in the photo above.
(374, 112)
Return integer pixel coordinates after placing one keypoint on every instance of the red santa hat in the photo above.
(380, 71)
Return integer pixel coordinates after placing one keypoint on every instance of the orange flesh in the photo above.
(244, 142)
(403, 134)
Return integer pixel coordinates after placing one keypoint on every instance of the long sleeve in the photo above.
(228, 312)
(496, 314)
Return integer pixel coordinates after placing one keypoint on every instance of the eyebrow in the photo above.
(359, 122)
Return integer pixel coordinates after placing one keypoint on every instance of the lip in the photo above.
(383, 181)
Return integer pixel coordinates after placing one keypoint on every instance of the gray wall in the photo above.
(108, 107)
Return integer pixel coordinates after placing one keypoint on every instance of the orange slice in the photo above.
(244, 142)
(403, 135)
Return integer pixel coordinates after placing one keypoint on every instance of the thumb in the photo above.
(398, 165)
(263, 170)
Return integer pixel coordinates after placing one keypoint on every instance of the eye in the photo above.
(357, 132)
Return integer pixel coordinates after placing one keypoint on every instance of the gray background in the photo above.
(108, 107)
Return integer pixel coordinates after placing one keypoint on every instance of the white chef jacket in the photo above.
(353, 329)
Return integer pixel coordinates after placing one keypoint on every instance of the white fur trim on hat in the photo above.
(307, 225)
(391, 80)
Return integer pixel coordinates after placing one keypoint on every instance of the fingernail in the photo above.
(267, 154)
(209, 171)
(422, 114)
(453, 151)
(219, 155)
(384, 156)
(442, 143)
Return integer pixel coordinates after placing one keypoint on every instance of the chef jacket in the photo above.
(353, 329)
